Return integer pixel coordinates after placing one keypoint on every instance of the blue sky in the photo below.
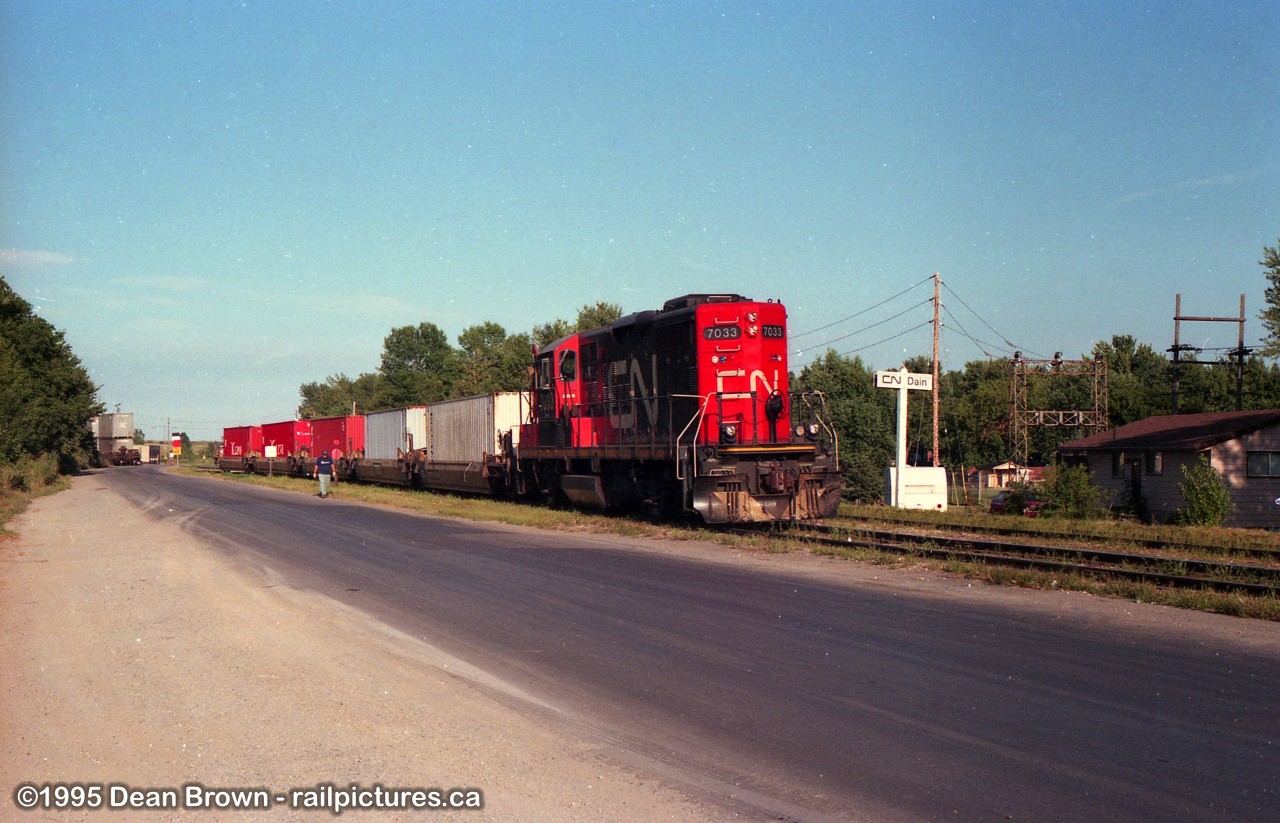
(220, 201)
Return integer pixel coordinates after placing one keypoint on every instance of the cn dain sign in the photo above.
(903, 380)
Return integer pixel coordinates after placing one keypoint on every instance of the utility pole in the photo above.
(937, 386)
(1179, 347)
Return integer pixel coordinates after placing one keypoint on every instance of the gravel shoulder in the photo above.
(131, 653)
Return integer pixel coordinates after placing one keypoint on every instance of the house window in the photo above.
(1155, 463)
(1264, 464)
(1117, 464)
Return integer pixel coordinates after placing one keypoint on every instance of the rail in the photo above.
(1262, 581)
(995, 529)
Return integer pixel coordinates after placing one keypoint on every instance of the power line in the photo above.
(864, 311)
(982, 345)
(1012, 346)
(986, 347)
(872, 326)
(887, 339)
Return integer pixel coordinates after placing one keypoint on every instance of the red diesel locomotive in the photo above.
(686, 408)
(683, 409)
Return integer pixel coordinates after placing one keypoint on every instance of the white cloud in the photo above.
(21, 258)
(1202, 183)
(168, 283)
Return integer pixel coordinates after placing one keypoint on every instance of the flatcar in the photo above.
(683, 409)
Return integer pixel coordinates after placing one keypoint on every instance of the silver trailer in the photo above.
(466, 440)
(395, 441)
(116, 426)
(393, 434)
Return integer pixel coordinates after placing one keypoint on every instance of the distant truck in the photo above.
(125, 456)
(150, 453)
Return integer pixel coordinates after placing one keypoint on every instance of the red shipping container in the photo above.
(341, 436)
(286, 438)
(241, 441)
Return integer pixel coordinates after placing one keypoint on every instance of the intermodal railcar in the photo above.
(683, 409)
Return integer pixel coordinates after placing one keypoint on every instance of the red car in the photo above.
(1006, 502)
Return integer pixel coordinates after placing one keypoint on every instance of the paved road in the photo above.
(806, 700)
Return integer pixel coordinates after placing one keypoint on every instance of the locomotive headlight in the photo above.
(752, 331)
(811, 431)
(752, 317)
(728, 433)
(799, 430)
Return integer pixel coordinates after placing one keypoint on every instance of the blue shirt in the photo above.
(324, 465)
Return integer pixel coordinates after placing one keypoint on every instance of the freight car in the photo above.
(687, 408)
(125, 456)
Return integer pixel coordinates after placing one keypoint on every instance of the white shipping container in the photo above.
(465, 430)
(923, 487)
(395, 432)
(115, 426)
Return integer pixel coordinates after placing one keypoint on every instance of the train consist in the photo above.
(684, 409)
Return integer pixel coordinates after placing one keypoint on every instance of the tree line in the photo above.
(46, 397)
(419, 365)
(974, 420)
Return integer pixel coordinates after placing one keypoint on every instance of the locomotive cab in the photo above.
(683, 408)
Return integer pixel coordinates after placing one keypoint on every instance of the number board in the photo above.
(721, 333)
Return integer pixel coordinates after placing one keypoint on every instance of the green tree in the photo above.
(975, 414)
(862, 416)
(1137, 379)
(338, 394)
(589, 317)
(418, 366)
(1271, 314)
(1206, 498)
(597, 315)
(491, 360)
(545, 333)
(46, 396)
(1066, 491)
(138, 436)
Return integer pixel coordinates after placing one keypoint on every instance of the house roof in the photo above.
(1177, 432)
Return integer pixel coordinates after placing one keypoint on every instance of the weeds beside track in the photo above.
(1161, 570)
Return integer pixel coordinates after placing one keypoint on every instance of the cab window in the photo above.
(569, 365)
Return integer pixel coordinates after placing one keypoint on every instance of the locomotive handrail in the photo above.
(697, 416)
(831, 431)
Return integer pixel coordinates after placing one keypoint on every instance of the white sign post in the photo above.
(903, 381)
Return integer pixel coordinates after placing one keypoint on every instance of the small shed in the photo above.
(1001, 475)
(1141, 462)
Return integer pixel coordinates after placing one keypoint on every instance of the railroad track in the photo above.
(1261, 581)
(857, 523)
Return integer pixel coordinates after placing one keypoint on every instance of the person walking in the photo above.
(324, 471)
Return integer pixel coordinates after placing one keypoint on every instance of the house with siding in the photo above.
(1143, 461)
